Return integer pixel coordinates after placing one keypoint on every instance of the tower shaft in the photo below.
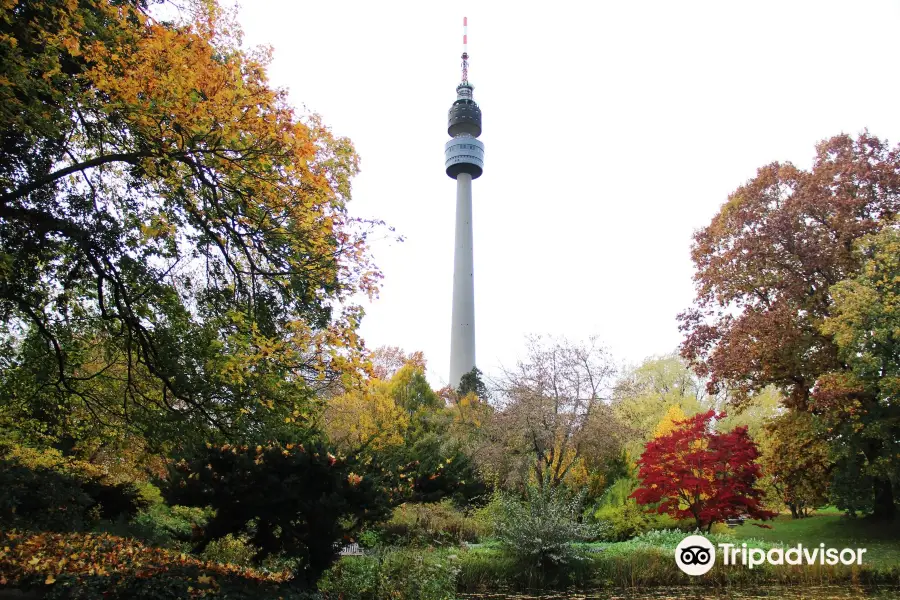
(463, 161)
(462, 334)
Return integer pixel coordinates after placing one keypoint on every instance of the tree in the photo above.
(859, 402)
(366, 416)
(174, 239)
(795, 462)
(753, 413)
(403, 425)
(644, 394)
(765, 267)
(553, 411)
(473, 383)
(387, 360)
(413, 393)
(670, 421)
(696, 473)
(42, 490)
(297, 499)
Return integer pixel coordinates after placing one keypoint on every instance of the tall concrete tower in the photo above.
(464, 161)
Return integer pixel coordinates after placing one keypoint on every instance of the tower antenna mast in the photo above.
(465, 54)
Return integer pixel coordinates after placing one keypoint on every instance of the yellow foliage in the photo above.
(568, 462)
(366, 416)
(667, 423)
(50, 458)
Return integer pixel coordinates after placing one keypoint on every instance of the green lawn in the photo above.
(882, 541)
(647, 561)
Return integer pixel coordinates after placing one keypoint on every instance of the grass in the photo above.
(882, 541)
(647, 561)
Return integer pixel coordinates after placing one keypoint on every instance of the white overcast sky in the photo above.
(612, 131)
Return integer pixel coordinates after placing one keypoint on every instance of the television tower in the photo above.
(464, 161)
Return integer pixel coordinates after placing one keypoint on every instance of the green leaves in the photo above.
(539, 531)
(300, 498)
(174, 236)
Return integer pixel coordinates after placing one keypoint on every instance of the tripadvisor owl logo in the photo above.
(695, 555)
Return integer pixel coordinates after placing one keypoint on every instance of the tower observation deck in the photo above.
(464, 161)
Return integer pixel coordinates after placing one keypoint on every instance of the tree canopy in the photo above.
(175, 249)
(692, 472)
(771, 308)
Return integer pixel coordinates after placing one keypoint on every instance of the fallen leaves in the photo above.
(34, 557)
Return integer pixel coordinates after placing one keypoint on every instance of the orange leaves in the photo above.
(223, 176)
(766, 264)
(46, 557)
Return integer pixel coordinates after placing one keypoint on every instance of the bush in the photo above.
(621, 516)
(300, 502)
(42, 499)
(230, 550)
(539, 531)
(46, 498)
(396, 574)
(169, 526)
(439, 523)
(624, 522)
(485, 517)
(149, 494)
(370, 538)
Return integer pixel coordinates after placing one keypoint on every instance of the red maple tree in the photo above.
(696, 473)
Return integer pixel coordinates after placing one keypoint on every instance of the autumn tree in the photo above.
(387, 360)
(696, 473)
(403, 425)
(553, 413)
(754, 412)
(859, 402)
(670, 421)
(384, 412)
(765, 269)
(795, 462)
(367, 415)
(643, 395)
(175, 250)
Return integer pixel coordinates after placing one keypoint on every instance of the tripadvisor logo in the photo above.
(696, 555)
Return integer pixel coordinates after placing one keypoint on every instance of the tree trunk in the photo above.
(884, 509)
(794, 512)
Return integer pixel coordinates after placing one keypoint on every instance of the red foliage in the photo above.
(696, 473)
(766, 263)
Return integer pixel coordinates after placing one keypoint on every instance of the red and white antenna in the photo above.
(465, 34)
(465, 54)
